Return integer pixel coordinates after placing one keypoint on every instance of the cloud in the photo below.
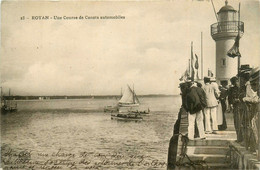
(46, 79)
(150, 48)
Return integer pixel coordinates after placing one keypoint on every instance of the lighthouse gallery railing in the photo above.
(227, 26)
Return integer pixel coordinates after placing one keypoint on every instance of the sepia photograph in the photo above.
(156, 85)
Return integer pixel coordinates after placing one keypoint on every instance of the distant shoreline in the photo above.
(18, 97)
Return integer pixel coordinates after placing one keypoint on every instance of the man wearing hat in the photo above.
(211, 109)
(254, 80)
(254, 109)
(245, 90)
(213, 81)
(184, 86)
(222, 98)
(234, 102)
(195, 104)
(249, 94)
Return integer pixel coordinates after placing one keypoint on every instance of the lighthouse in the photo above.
(224, 32)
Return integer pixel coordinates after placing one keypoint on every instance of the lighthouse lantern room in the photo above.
(224, 32)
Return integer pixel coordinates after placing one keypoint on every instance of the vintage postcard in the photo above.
(129, 84)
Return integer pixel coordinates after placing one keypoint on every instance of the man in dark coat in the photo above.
(195, 104)
(202, 96)
(234, 102)
(222, 98)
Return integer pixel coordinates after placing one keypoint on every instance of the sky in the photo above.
(150, 48)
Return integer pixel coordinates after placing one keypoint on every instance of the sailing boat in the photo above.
(125, 106)
(129, 98)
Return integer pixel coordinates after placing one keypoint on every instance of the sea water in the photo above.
(77, 134)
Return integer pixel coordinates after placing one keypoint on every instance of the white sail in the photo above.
(129, 97)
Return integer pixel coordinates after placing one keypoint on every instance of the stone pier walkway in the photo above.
(211, 152)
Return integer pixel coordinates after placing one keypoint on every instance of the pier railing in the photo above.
(227, 26)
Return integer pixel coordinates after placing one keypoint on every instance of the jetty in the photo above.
(217, 151)
(221, 150)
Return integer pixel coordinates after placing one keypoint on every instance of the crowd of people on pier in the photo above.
(207, 105)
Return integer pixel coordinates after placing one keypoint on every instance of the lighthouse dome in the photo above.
(227, 13)
(227, 8)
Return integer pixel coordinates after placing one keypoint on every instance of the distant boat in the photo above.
(7, 105)
(129, 98)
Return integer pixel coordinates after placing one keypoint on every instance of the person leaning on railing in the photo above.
(252, 100)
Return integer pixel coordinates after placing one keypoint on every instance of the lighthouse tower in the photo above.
(224, 32)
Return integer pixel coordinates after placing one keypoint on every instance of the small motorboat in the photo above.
(125, 113)
(129, 116)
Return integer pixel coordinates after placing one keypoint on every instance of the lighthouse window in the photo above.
(223, 62)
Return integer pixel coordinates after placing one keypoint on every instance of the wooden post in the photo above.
(173, 146)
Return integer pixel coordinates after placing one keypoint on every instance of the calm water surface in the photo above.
(79, 130)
